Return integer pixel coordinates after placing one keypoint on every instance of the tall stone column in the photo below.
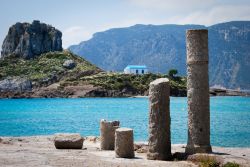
(159, 121)
(198, 92)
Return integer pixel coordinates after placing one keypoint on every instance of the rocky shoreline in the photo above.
(68, 92)
(227, 92)
(40, 151)
(92, 91)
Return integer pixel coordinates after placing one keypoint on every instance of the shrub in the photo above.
(172, 73)
(209, 162)
(205, 161)
(231, 164)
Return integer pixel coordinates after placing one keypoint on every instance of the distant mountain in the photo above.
(162, 47)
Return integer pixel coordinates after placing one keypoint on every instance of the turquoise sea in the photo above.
(230, 117)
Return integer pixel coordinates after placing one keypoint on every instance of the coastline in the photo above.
(107, 94)
(40, 151)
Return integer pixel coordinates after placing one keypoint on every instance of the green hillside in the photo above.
(50, 78)
(45, 66)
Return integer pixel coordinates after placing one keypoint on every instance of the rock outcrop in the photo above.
(15, 85)
(69, 64)
(29, 40)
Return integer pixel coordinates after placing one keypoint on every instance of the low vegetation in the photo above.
(43, 66)
(131, 82)
(208, 161)
(231, 164)
(48, 68)
(211, 161)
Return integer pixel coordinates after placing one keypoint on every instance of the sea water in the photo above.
(230, 117)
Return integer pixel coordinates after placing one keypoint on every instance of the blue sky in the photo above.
(79, 19)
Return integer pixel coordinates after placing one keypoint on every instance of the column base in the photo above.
(192, 149)
(158, 156)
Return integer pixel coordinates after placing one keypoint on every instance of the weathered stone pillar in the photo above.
(107, 134)
(159, 121)
(198, 92)
(124, 143)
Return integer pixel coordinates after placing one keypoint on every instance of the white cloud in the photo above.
(174, 5)
(215, 15)
(194, 11)
(74, 35)
(207, 13)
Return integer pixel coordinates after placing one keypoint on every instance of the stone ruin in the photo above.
(112, 137)
(68, 141)
(124, 143)
(27, 40)
(107, 134)
(198, 103)
(159, 142)
(198, 92)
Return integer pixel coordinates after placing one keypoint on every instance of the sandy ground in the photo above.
(40, 151)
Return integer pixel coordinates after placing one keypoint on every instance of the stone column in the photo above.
(198, 92)
(124, 143)
(107, 136)
(159, 121)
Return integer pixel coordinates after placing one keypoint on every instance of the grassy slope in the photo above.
(43, 66)
(138, 83)
(50, 64)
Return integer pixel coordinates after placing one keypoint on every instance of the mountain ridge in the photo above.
(162, 47)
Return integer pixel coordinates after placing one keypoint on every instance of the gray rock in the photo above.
(69, 64)
(68, 141)
(29, 40)
(15, 85)
(93, 139)
(141, 148)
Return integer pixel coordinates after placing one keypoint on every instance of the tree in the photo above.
(172, 73)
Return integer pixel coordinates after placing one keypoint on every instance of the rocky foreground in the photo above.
(40, 151)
